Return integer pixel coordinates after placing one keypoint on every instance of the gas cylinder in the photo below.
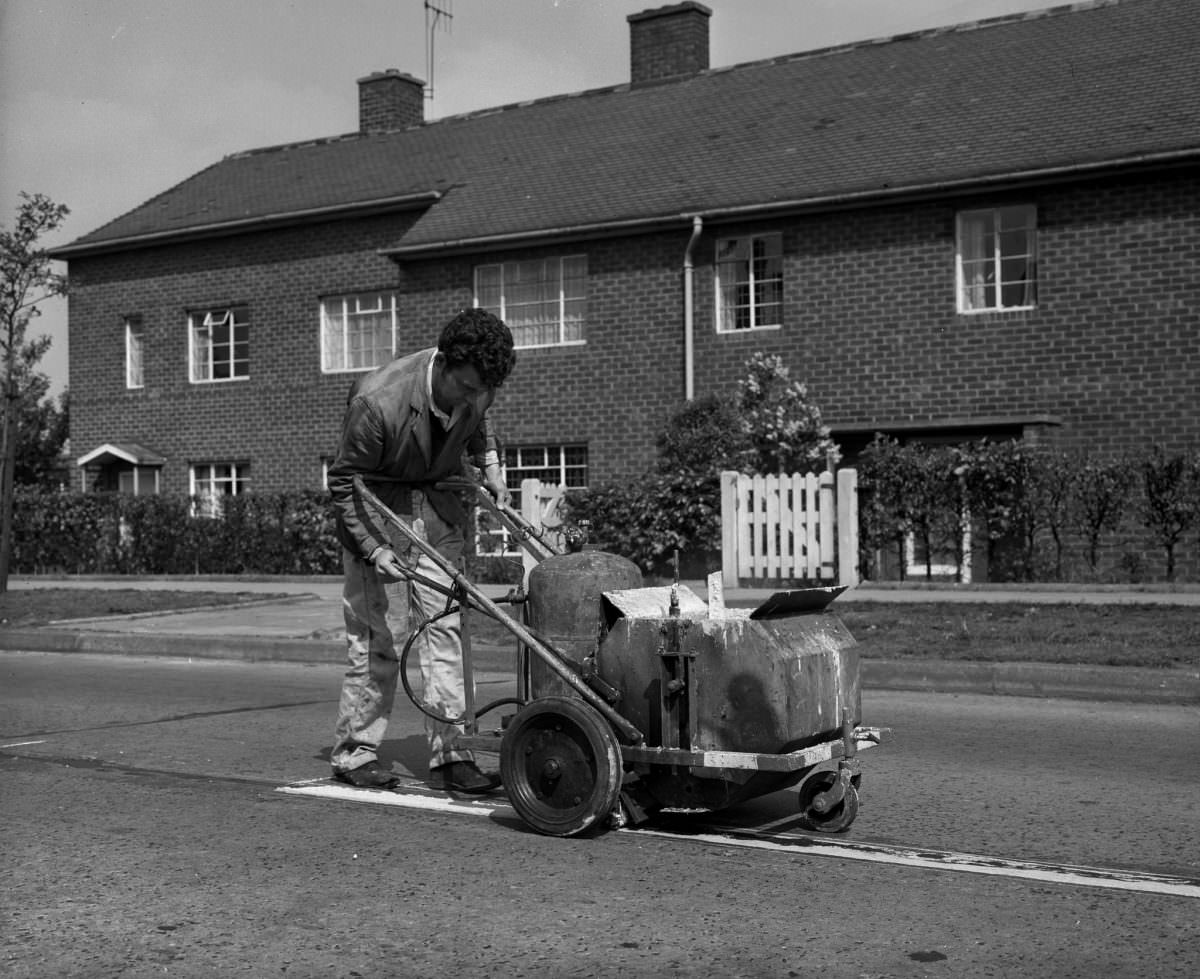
(564, 607)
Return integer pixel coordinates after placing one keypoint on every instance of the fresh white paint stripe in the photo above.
(922, 858)
(324, 789)
(20, 744)
(961, 862)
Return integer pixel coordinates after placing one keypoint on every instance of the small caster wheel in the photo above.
(828, 804)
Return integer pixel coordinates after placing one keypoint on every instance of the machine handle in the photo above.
(551, 657)
(527, 535)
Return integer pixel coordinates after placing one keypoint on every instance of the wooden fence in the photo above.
(773, 528)
(789, 527)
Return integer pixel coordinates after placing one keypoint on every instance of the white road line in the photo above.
(324, 789)
(801, 846)
(19, 744)
(966, 863)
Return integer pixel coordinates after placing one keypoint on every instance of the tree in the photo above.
(1171, 505)
(1000, 496)
(26, 280)
(1054, 483)
(42, 429)
(767, 426)
(915, 490)
(702, 437)
(1100, 497)
(784, 429)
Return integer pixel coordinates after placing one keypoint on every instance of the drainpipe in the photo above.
(689, 380)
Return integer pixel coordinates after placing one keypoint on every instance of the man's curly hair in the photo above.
(481, 339)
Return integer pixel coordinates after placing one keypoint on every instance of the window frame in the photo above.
(998, 260)
(135, 368)
(513, 476)
(209, 504)
(203, 319)
(751, 282)
(135, 477)
(506, 305)
(389, 298)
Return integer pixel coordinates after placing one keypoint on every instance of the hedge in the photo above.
(1037, 514)
(114, 533)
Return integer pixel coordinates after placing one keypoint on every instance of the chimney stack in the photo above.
(668, 42)
(390, 100)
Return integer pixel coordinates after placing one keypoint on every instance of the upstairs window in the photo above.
(997, 259)
(544, 302)
(749, 283)
(219, 347)
(358, 332)
(211, 482)
(134, 343)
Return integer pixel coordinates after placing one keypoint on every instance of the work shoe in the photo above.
(368, 776)
(462, 776)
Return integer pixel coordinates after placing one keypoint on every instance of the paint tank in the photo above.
(759, 685)
(763, 681)
(565, 608)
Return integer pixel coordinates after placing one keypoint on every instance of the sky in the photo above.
(106, 103)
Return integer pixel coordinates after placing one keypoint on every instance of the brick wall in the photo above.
(285, 417)
(1111, 350)
(614, 392)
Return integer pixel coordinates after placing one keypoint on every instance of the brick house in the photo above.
(990, 229)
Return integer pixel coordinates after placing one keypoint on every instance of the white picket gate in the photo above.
(772, 527)
(539, 506)
(789, 527)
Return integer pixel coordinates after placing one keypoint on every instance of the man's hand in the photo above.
(495, 486)
(387, 563)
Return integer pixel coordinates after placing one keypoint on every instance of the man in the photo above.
(407, 426)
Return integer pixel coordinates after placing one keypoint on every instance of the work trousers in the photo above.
(378, 612)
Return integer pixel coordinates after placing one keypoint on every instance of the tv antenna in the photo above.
(436, 14)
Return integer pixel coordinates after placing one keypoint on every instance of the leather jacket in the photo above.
(387, 440)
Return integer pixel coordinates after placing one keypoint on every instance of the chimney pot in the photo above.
(390, 100)
(668, 42)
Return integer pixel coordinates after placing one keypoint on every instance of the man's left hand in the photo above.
(495, 486)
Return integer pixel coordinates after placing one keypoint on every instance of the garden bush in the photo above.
(1035, 513)
(116, 533)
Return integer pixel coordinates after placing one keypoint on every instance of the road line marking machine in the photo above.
(636, 700)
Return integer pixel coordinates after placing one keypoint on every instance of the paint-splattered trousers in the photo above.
(380, 615)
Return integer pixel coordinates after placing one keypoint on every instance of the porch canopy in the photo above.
(129, 453)
(123, 467)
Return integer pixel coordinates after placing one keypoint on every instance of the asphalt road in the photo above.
(146, 834)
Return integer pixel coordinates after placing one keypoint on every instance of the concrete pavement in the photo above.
(301, 621)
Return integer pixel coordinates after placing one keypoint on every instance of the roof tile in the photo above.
(1090, 84)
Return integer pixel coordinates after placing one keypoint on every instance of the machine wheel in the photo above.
(561, 765)
(816, 813)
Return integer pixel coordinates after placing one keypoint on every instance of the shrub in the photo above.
(1099, 498)
(75, 533)
(783, 428)
(1025, 503)
(647, 519)
(1171, 503)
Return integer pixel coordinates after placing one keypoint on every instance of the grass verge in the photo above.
(1153, 636)
(40, 606)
